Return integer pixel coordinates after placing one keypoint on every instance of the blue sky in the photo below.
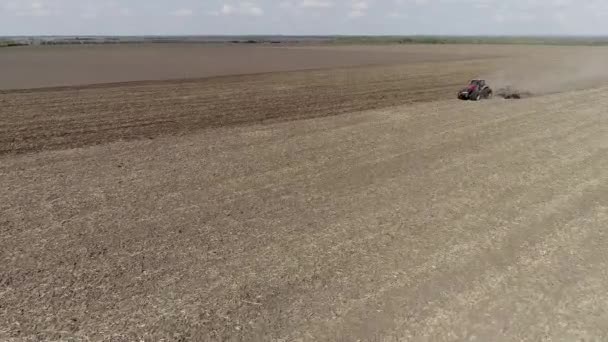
(317, 17)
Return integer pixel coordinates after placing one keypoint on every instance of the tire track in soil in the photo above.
(71, 118)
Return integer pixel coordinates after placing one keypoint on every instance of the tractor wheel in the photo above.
(476, 97)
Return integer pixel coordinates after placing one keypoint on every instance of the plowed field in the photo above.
(355, 203)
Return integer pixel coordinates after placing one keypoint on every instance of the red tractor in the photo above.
(475, 91)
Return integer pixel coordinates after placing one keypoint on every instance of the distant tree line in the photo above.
(524, 40)
(589, 41)
(10, 43)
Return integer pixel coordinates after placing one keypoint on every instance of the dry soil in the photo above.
(245, 208)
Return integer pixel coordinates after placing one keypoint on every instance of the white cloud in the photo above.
(356, 14)
(315, 4)
(227, 9)
(125, 12)
(286, 4)
(183, 12)
(396, 15)
(30, 9)
(244, 8)
(360, 5)
(358, 9)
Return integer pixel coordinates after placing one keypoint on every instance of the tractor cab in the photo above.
(478, 83)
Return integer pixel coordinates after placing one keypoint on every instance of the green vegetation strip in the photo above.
(583, 41)
(366, 40)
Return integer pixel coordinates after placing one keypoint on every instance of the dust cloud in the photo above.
(540, 74)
